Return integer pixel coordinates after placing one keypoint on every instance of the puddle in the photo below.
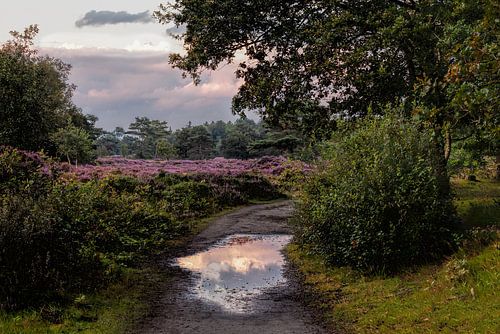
(237, 270)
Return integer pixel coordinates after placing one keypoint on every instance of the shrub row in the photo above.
(58, 236)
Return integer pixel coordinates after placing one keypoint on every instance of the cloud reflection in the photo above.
(237, 270)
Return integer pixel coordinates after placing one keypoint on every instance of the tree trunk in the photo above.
(497, 176)
(447, 144)
(443, 148)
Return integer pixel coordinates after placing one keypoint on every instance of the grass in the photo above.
(460, 295)
(478, 203)
(113, 310)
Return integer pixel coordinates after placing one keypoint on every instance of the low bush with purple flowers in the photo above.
(64, 230)
(147, 169)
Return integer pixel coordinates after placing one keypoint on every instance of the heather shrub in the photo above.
(258, 187)
(22, 171)
(188, 199)
(60, 236)
(231, 190)
(376, 203)
(40, 252)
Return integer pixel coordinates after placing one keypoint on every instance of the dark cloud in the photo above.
(117, 86)
(103, 17)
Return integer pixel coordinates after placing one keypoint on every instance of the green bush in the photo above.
(120, 226)
(376, 203)
(41, 254)
(25, 172)
(59, 238)
(231, 190)
(188, 199)
(225, 190)
(257, 187)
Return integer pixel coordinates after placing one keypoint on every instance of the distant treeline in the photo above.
(241, 139)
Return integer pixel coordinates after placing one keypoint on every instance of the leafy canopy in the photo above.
(304, 63)
(194, 142)
(35, 95)
(73, 143)
(150, 134)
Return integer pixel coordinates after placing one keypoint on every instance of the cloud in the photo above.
(100, 18)
(130, 41)
(162, 46)
(117, 86)
(174, 31)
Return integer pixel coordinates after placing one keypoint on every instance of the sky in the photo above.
(119, 58)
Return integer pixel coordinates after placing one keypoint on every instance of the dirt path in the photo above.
(277, 310)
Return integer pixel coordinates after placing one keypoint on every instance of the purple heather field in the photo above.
(145, 169)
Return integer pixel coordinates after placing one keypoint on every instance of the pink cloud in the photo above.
(117, 86)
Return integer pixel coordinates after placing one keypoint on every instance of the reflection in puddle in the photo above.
(236, 270)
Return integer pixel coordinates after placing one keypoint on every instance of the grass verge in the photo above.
(460, 295)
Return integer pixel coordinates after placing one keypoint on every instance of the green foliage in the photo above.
(73, 144)
(238, 190)
(470, 156)
(275, 144)
(377, 204)
(59, 238)
(22, 172)
(35, 96)
(291, 179)
(235, 145)
(194, 143)
(120, 225)
(308, 64)
(301, 55)
(473, 77)
(151, 134)
(188, 199)
(109, 143)
(165, 150)
(242, 139)
(41, 254)
(224, 190)
(458, 295)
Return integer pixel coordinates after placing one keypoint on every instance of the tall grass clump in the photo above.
(376, 202)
